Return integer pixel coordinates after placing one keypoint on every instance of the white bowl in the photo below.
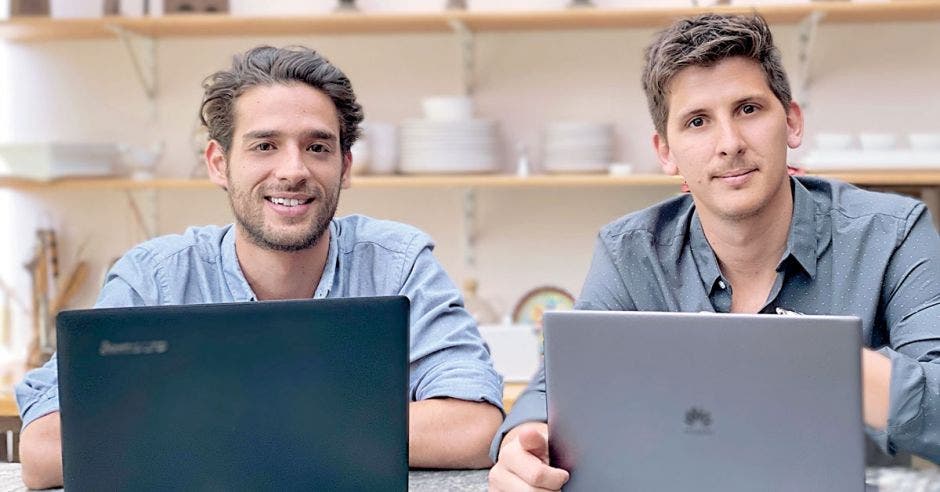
(924, 141)
(833, 141)
(877, 141)
(448, 108)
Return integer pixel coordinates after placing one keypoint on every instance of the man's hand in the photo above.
(523, 461)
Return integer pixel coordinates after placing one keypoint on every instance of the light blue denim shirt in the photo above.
(849, 252)
(367, 257)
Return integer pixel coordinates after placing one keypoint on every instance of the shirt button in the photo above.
(721, 284)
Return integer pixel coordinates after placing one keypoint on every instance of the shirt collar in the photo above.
(238, 284)
(234, 277)
(331, 265)
(703, 255)
(802, 240)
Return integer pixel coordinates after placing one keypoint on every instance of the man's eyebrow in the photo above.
(685, 114)
(312, 134)
(258, 134)
(755, 97)
(320, 135)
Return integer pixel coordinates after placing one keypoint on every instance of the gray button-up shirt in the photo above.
(367, 257)
(849, 252)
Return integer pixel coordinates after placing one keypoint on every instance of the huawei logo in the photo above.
(698, 421)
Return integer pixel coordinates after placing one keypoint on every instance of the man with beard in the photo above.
(281, 123)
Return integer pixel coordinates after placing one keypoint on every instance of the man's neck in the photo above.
(749, 250)
(281, 274)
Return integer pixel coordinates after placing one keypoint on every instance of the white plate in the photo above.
(47, 161)
(576, 167)
(819, 160)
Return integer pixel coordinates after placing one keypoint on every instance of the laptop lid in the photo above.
(681, 401)
(307, 394)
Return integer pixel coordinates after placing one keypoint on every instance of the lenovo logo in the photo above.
(108, 348)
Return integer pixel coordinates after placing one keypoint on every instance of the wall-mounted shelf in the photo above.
(866, 178)
(39, 29)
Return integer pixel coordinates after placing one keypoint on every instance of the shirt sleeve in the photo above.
(911, 291)
(448, 356)
(603, 290)
(38, 393)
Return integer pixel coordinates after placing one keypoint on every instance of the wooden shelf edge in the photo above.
(46, 29)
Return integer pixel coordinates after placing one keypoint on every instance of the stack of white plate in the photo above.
(53, 160)
(577, 147)
(448, 140)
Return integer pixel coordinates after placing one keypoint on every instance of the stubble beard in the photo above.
(251, 220)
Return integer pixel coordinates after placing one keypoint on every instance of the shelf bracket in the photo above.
(467, 54)
(143, 53)
(930, 195)
(143, 205)
(807, 38)
(468, 231)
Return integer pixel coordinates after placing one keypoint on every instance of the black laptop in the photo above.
(280, 395)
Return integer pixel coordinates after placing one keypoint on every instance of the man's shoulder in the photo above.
(204, 242)
(357, 230)
(662, 222)
(842, 200)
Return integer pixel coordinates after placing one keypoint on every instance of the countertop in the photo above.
(885, 480)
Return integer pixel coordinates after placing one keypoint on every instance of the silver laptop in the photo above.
(681, 401)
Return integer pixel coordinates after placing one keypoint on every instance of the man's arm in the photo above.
(520, 447)
(911, 293)
(41, 452)
(449, 433)
(38, 396)
(876, 384)
(456, 392)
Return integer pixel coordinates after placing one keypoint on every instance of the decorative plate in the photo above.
(534, 303)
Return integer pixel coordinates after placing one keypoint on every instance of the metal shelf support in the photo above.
(931, 198)
(807, 39)
(143, 54)
(468, 231)
(144, 207)
(467, 55)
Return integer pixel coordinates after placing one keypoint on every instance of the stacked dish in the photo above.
(577, 147)
(448, 140)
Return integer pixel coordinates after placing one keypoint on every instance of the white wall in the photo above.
(866, 77)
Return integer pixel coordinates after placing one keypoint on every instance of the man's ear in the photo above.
(794, 125)
(665, 157)
(216, 164)
(345, 180)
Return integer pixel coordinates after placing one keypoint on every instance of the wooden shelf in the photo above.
(45, 29)
(866, 178)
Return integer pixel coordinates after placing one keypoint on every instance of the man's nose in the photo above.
(730, 141)
(292, 166)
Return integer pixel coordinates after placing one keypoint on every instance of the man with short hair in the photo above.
(281, 123)
(749, 238)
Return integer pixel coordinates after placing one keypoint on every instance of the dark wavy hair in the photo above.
(266, 65)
